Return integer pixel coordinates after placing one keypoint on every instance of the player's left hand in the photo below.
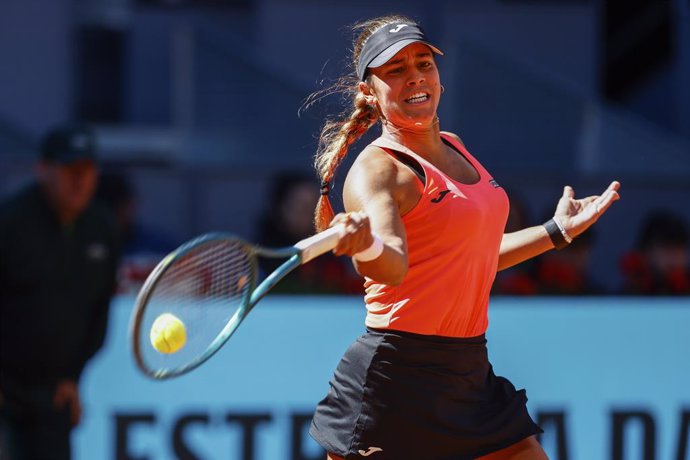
(576, 216)
(67, 394)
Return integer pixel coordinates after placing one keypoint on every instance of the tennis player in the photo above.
(418, 384)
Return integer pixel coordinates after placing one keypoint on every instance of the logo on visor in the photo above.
(397, 28)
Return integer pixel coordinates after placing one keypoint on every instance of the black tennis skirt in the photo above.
(402, 396)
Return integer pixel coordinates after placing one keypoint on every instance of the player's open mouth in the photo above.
(417, 98)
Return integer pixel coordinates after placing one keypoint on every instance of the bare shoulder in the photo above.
(454, 136)
(375, 176)
(374, 164)
(373, 172)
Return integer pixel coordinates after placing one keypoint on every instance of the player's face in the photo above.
(407, 88)
(70, 187)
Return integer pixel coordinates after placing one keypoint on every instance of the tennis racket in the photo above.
(210, 284)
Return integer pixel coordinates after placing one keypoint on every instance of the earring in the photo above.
(443, 90)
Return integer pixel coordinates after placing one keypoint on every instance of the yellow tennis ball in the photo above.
(168, 333)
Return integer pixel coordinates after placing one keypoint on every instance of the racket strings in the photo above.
(203, 287)
(211, 271)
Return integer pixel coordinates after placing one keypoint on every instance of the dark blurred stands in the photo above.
(198, 100)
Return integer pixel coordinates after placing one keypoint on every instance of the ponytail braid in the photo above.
(336, 138)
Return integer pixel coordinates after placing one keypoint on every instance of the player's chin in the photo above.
(421, 111)
(424, 115)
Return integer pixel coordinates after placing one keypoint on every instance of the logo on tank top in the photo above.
(368, 452)
(441, 195)
(494, 183)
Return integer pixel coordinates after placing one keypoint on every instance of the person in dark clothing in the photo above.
(58, 259)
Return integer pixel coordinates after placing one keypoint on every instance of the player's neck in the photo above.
(424, 142)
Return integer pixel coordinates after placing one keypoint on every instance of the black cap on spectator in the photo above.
(68, 144)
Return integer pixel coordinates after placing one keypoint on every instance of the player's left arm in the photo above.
(575, 215)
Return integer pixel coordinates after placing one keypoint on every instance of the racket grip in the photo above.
(320, 243)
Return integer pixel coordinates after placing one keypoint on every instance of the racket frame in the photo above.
(153, 280)
(296, 255)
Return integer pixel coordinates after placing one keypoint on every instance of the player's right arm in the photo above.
(377, 191)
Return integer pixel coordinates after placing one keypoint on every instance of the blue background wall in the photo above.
(580, 360)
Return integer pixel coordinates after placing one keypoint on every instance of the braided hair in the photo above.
(337, 135)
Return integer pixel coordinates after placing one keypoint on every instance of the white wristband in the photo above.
(372, 252)
(568, 238)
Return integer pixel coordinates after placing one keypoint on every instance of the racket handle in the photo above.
(320, 243)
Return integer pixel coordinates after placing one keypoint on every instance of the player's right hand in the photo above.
(356, 235)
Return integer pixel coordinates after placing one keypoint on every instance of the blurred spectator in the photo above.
(660, 264)
(142, 246)
(565, 272)
(290, 218)
(58, 256)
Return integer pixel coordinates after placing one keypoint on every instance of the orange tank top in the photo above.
(454, 235)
